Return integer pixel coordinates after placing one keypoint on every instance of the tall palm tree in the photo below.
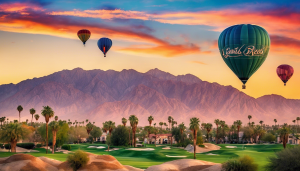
(284, 135)
(150, 119)
(238, 125)
(165, 124)
(105, 127)
(20, 109)
(89, 127)
(222, 123)
(155, 131)
(275, 120)
(208, 127)
(111, 126)
(48, 113)
(86, 121)
(298, 118)
(32, 112)
(54, 126)
(12, 133)
(194, 127)
(56, 118)
(26, 121)
(170, 120)
(36, 116)
(261, 122)
(181, 128)
(133, 123)
(124, 121)
(154, 125)
(217, 122)
(161, 124)
(252, 123)
(294, 121)
(249, 117)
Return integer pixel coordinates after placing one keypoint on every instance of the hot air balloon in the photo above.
(244, 48)
(84, 35)
(104, 45)
(285, 72)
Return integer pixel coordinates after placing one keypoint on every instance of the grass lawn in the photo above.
(144, 159)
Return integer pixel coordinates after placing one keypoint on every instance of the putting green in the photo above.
(144, 159)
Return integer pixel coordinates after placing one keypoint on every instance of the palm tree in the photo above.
(238, 125)
(252, 123)
(2, 119)
(56, 118)
(36, 116)
(275, 120)
(165, 124)
(208, 127)
(261, 122)
(12, 133)
(86, 121)
(217, 122)
(298, 118)
(20, 109)
(124, 121)
(105, 127)
(32, 112)
(133, 123)
(194, 127)
(161, 124)
(89, 127)
(181, 128)
(110, 126)
(154, 125)
(150, 119)
(249, 117)
(223, 125)
(48, 113)
(155, 131)
(170, 120)
(284, 135)
(26, 121)
(54, 126)
(294, 121)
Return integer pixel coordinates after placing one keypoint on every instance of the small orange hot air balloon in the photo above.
(84, 35)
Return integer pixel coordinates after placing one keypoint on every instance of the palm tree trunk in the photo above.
(129, 138)
(31, 120)
(195, 139)
(238, 135)
(155, 141)
(134, 139)
(108, 148)
(54, 141)
(19, 116)
(13, 146)
(46, 137)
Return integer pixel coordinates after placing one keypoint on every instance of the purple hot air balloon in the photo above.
(285, 72)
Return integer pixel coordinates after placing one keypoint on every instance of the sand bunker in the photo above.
(100, 147)
(186, 165)
(231, 146)
(175, 156)
(92, 147)
(208, 147)
(211, 154)
(141, 149)
(29, 162)
(113, 149)
(166, 148)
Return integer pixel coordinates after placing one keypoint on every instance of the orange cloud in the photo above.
(198, 62)
(19, 7)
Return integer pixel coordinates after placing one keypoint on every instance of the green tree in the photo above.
(181, 128)
(56, 118)
(48, 113)
(217, 122)
(155, 132)
(238, 125)
(54, 127)
(261, 122)
(36, 116)
(268, 137)
(298, 118)
(119, 136)
(249, 117)
(78, 159)
(275, 120)
(89, 127)
(170, 119)
(150, 119)
(95, 133)
(2, 119)
(124, 121)
(32, 112)
(62, 134)
(161, 124)
(194, 127)
(20, 109)
(284, 135)
(110, 126)
(133, 123)
(12, 133)
(208, 127)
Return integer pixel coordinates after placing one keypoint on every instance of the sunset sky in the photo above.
(38, 38)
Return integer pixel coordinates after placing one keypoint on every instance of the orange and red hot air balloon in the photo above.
(285, 72)
(84, 35)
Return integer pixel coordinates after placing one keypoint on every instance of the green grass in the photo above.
(144, 159)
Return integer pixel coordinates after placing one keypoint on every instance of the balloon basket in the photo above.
(284, 84)
(244, 87)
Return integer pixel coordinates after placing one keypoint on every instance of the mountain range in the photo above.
(100, 95)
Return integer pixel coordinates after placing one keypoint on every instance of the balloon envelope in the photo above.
(104, 45)
(84, 35)
(285, 72)
(244, 48)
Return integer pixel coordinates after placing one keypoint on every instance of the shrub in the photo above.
(2, 146)
(38, 146)
(78, 159)
(284, 160)
(7, 146)
(268, 137)
(119, 136)
(26, 145)
(244, 163)
(66, 147)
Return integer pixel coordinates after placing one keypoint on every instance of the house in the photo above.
(161, 139)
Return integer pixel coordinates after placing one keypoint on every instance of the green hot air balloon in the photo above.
(244, 48)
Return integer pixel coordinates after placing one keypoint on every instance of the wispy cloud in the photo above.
(198, 62)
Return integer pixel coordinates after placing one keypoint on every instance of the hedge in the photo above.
(38, 146)
(66, 147)
(26, 145)
(7, 146)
